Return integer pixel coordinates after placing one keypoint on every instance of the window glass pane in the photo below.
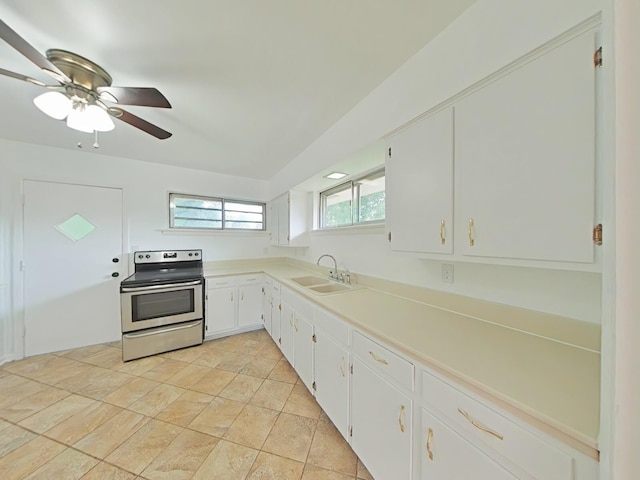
(337, 207)
(371, 199)
(215, 213)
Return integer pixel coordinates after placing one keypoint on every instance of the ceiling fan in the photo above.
(83, 90)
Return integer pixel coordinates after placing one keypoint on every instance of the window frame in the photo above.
(223, 210)
(354, 185)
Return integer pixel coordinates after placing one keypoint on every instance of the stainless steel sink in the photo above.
(309, 280)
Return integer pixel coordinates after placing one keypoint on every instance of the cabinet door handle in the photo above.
(342, 368)
(242, 295)
(479, 425)
(401, 418)
(429, 442)
(471, 239)
(442, 239)
(232, 296)
(378, 359)
(295, 324)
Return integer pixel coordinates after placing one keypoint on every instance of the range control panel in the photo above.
(163, 256)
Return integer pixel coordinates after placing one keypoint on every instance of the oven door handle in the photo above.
(163, 330)
(156, 287)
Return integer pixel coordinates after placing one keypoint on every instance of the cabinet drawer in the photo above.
(249, 279)
(521, 447)
(300, 305)
(383, 360)
(218, 282)
(333, 326)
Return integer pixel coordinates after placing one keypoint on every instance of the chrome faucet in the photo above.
(333, 274)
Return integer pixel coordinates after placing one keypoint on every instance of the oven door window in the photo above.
(162, 304)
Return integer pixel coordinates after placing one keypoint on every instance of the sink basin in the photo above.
(309, 281)
(329, 288)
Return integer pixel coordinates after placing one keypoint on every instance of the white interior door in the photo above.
(72, 234)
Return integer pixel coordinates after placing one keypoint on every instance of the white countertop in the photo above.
(550, 383)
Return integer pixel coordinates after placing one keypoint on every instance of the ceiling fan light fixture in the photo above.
(55, 104)
(78, 120)
(99, 118)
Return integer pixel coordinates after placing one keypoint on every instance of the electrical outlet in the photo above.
(446, 272)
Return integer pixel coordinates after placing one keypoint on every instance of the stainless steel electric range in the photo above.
(161, 304)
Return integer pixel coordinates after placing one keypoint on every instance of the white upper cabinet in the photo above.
(289, 220)
(525, 160)
(419, 187)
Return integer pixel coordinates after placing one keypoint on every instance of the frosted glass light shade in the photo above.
(98, 118)
(55, 104)
(78, 120)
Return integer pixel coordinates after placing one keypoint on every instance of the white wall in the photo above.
(146, 186)
(488, 36)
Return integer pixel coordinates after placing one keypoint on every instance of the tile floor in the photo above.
(231, 409)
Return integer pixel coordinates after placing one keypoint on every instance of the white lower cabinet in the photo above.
(287, 331)
(249, 305)
(266, 304)
(276, 310)
(448, 456)
(331, 373)
(221, 310)
(233, 304)
(303, 349)
(381, 420)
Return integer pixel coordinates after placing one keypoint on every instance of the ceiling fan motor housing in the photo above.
(80, 70)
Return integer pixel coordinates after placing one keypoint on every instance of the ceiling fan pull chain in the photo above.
(95, 143)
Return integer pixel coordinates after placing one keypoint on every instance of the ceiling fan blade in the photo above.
(20, 44)
(19, 76)
(138, 122)
(142, 96)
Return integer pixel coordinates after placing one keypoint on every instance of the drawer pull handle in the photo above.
(479, 425)
(251, 279)
(378, 359)
(342, 368)
(471, 239)
(442, 239)
(242, 295)
(429, 442)
(401, 418)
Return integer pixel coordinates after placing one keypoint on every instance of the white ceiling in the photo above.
(252, 82)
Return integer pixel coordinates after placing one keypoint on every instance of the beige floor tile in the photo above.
(4, 425)
(141, 365)
(74, 428)
(273, 467)
(69, 465)
(32, 404)
(248, 347)
(260, 366)
(108, 358)
(28, 458)
(241, 388)
(269, 349)
(283, 372)
(214, 381)
(188, 376)
(252, 426)
(182, 458)
(227, 461)
(209, 357)
(233, 362)
(104, 471)
(363, 473)
(272, 394)
(167, 369)
(83, 352)
(131, 392)
(217, 417)
(21, 367)
(83, 378)
(13, 437)
(187, 355)
(54, 370)
(312, 472)
(111, 434)
(9, 383)
(16, 390)
(58, 412)
(157, 400)
(187, 407)
(105, 384)
(291, 437)
(301, 402)
(329, 450)
(136, 453)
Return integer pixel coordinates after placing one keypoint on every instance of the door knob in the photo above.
(115, 260)
(115, 274)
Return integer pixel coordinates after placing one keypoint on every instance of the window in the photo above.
(190, 211)
(358, 201)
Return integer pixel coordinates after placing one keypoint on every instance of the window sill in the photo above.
(198, 231)
(352, 230)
